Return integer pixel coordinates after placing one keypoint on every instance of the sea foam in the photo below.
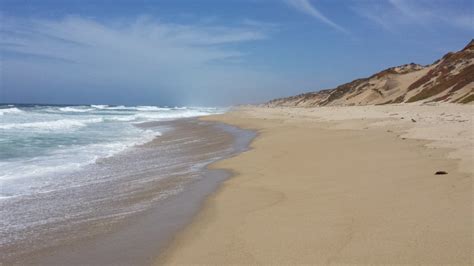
(44, 142)
(75, 109)
(52, 125)
(13, 110)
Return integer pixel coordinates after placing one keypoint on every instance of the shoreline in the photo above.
(134, 241)
(384, 206)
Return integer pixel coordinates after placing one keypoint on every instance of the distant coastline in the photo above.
(448, 80)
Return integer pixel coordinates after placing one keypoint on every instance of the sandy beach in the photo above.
(340, 185)
(251, 132)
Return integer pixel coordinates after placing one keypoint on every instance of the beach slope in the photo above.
(340, 185)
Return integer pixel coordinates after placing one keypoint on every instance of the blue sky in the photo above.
(213, 52)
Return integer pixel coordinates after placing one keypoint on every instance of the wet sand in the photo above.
(353, 185)
(173, 185)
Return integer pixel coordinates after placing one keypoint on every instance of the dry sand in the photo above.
(341, 185)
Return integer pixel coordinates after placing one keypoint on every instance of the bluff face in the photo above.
(449, 79)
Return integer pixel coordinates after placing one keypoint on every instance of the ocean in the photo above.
(71, 173)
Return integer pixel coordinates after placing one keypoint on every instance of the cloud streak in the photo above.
(306, 7)
(395, 14)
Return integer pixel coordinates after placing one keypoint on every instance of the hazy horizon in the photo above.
(222, 53)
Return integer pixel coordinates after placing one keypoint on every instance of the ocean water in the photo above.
(74, 172)
(40, 143)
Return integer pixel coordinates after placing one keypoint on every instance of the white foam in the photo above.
(152, 108)
(184, 113)
(52, 125)
(72, 109)
(13, 110)
(99, 106)
(32, 169)
(104, 133)
(121, 118)
(69, 159)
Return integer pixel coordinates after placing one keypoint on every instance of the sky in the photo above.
(213, 52)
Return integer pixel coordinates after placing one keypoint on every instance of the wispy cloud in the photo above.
(376, 15)
(306, 7)
(411, 10)
(73, 51)
(394, 14)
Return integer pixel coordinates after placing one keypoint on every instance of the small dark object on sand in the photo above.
(441, 173)
(413, 120)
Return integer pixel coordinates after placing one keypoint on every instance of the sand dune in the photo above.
(449, 79)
